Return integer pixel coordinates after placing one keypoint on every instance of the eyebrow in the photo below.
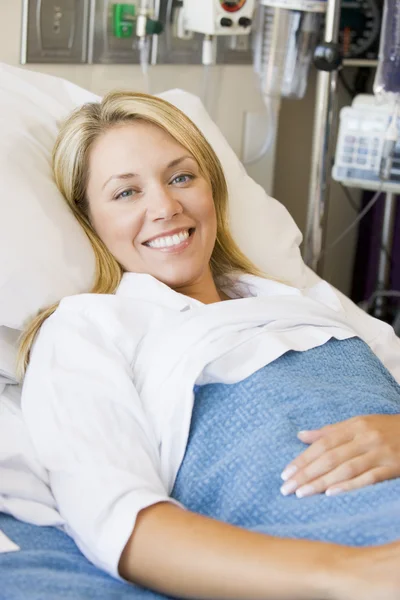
(172, 164)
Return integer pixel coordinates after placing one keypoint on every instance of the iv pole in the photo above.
(322, 147)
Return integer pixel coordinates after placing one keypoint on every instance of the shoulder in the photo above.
(90, 321)
(86, 304)
(93, 311)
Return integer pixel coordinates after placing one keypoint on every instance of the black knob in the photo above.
(244, 22)
(327, 56)
(225, 22)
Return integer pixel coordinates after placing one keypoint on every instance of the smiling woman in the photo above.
(174, 414)
(135, 168)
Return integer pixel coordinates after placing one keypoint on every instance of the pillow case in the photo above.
(8, 354)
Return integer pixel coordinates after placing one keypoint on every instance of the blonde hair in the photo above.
(70, 165)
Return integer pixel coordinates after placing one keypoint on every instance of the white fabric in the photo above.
(382, 336)
(108, 395)
(42, 248)
(8, 351)
(7, 545)
(44, 254)
(24, 483)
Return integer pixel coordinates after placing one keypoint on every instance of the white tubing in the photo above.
(208, 55)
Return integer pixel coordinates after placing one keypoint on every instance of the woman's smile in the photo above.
(173, 242)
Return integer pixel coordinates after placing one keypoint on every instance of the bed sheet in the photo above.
(50, 566)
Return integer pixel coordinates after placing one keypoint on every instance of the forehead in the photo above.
(135, 137)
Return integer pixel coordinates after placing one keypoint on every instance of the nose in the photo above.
(162, 204)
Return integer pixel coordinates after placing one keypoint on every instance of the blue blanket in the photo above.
(49, 566)
(242, 436)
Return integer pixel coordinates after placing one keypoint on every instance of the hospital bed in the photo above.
(45, 256)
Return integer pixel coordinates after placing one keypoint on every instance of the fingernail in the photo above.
(333, 491)
(306, 490)
(305, 432)
(288, 472)
(288, 488)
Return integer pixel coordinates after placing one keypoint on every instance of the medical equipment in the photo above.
(361, 143)
(368, 157)
(368, 149)
(359, 29)
(285, 35)
(138, 18)
(285, 44)
(363, 174)
(216, 18)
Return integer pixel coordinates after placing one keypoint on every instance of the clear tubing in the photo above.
(144, 52)
(210, 88)
(272, 115)
(392, 136)
(356, 221)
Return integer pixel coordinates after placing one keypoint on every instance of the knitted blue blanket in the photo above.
(243, 435)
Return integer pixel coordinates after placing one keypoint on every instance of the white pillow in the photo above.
(8, 354)
(24, 483)
(44, 254)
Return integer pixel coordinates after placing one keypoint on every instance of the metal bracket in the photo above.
(54, 31)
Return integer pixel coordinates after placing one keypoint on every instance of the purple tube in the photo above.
(388, 73)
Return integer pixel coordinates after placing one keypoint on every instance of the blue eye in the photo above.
(125, 194)
(185, 178)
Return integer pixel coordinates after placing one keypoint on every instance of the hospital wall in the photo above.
(283, 173)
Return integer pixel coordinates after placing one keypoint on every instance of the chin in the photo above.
(178, 280)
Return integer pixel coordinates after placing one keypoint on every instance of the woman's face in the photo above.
(150, 204)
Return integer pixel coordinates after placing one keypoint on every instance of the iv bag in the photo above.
(302, 38)
(387, 79)
(285, 43)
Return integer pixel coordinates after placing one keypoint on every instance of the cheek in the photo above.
(116, 228)
(210, 215)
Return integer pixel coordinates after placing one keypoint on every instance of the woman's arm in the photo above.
(180, 553)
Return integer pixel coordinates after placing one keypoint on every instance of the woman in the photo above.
(144, 470)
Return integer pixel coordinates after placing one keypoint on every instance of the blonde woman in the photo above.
(167, 403)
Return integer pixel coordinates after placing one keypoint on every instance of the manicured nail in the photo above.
(288, 488)
(305, 432)
(288, 472)
(333, 491)
(306, 490)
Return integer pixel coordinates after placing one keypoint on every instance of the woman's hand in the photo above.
(345, 456)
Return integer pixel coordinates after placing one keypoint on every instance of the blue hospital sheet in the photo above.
(49, 566)
(242, 436)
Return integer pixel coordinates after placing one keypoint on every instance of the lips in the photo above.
(169, 234)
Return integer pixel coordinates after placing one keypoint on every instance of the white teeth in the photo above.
(171, 240)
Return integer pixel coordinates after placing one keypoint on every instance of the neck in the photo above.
(204, 290)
